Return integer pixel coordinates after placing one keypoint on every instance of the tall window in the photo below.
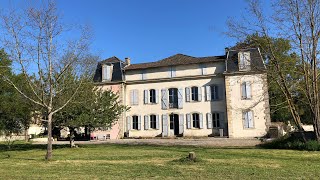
(214, 92)
(106, 72)
(195, 120)
(153, 121)
(244, 60)
(194, 94)
(135, 122)
(143, 75)
(172, 72)
(173, 98)
(216, 120)
(152, 93)
(248, 119)
(246, 90)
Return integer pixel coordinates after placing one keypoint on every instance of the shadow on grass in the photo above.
(29, 146)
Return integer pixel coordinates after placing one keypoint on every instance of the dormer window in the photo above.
(106, 72)
(244, 61)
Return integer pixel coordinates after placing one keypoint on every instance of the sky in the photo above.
(150, 30)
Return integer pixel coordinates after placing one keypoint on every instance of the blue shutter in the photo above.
(139, 122)
(181, 123)
(157, 96)
(201, 120)
(209, 120)
(128, 123)
(146, 96)
(157, 121)
(208, 93)
(248, 90)
(164, 125)
(250, 119)
(164, 99)
(146, 122)
(188, 121)
(187, 94)
(199, 93)
(180, 98)
(244, 91)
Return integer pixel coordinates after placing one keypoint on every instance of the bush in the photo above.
(291, 142)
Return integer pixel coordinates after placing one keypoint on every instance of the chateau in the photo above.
(187, 96)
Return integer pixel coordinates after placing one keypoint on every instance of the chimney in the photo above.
(127, 61)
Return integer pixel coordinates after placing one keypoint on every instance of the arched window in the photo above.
(195, 120)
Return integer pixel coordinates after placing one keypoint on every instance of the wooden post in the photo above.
(192, 156)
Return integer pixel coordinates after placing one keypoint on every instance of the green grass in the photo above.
(156, 162)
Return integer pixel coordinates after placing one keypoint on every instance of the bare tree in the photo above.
(298, 21)
(39, 44)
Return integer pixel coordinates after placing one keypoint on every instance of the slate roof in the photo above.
(178, 59)
(255, 57)
(117, 74)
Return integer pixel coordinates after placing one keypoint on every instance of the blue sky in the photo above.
(149, 30)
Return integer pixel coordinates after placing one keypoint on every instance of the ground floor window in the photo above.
(216, 120)
(153, 121)
(195, 120)
(135, 122)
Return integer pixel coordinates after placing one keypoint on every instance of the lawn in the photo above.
(156, 162)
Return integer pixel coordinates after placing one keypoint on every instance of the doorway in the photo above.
(174, 123)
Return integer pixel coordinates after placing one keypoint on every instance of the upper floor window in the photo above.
(173, 98)
(214, 92)
(135, 122)
(246, 90)
(153, 121)
(143, 75)
(194, 93)
(106, 72)
(134, 97)
(203, 69)
(248, 119)
(195, 120)
(244, 61)
(172, 72)
(153, 98)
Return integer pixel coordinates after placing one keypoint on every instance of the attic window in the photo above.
(244, 61)
(106, 72)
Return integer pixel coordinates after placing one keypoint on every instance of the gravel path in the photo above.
(207, 142)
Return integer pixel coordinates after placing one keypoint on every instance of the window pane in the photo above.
(152, 96)
(134, 122)
(195, 120)
(194, 93)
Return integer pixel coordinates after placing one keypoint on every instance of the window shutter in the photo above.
(157, 96)
(146, 96)
(139, 122)
(243, 90)
(222, 120)
(209, 120)
(128, 123)
(131, 97)
(203, 69)
(164, 99)
(173, 72)
(208, 93)
(181, 123)
(250, 119)
(134, 97)
(220, 89)
(248, 90)
(146, 122)
(108, 76)
(187, 94)
(188, 121)
(164, 125)
(199, 93)
(247, 59)
(157, 121)
(241, 59)
(245, 120)
(201, 120)
(180, 98)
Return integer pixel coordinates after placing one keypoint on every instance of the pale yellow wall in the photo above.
(188, 107)
(259, 104)
(181, 71)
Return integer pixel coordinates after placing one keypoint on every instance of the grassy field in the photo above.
(156, 162)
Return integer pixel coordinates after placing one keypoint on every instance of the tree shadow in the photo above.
(29, 146)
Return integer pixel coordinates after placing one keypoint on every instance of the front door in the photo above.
(174, 124)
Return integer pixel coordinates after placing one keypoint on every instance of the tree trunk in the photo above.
(49, 144)
(72, 144)
(26, 136)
